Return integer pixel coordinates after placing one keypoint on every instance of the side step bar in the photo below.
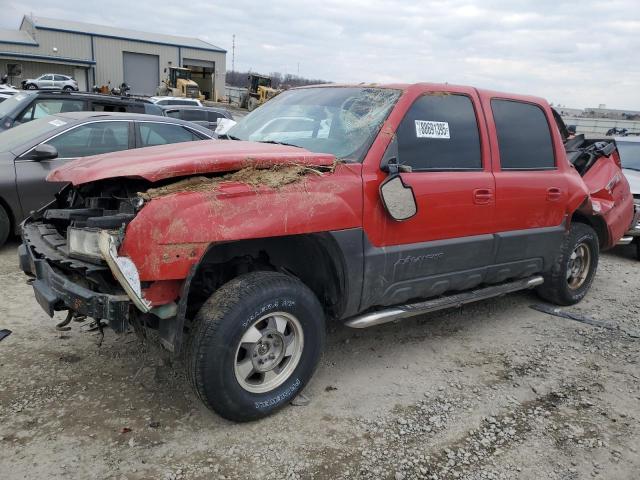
(404, 311)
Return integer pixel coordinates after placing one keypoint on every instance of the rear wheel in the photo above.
(255, 344)
(572, 274)
(5, 226)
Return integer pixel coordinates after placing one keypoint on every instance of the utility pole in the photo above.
(233, 54)
(298, 69)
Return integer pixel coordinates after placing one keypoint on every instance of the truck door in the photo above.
(449, 243)
(531, 193)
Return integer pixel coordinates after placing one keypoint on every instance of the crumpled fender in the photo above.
(609, 198)
(171, 233)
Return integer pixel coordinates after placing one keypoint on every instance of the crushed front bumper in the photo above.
(56, 291)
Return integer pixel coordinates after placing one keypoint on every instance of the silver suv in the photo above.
(51, 81)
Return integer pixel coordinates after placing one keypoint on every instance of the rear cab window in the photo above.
(440, 133)
(524, 136)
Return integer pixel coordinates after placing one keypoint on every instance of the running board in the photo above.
(404, 311)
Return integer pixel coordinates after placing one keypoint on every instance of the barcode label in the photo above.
(429, 129)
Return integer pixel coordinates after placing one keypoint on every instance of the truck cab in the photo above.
(361, 204)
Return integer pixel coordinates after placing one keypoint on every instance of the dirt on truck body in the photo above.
(359, 204)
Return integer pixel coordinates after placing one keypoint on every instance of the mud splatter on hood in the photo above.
(184, 159)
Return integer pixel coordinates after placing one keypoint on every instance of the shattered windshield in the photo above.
(342, 121)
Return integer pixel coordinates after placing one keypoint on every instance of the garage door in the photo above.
(141, 72)
(202, 72)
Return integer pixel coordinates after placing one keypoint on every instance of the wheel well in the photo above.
(314, 259)
(595, 222)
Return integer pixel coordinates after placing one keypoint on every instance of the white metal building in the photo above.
(99, 55)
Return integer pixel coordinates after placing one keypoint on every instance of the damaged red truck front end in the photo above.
(364, 204)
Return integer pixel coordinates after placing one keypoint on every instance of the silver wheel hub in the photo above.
(268, 352)
(578, 266)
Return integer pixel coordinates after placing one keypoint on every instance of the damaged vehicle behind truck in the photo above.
(361, 204)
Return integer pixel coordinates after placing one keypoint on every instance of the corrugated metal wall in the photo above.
(110, 63)
(69, 45)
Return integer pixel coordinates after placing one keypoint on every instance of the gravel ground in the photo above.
(493, 390)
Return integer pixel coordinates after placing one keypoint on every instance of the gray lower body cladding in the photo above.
(397, 274)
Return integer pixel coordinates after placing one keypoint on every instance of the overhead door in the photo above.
(141, 72)
(202, 72)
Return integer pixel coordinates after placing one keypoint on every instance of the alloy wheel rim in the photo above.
(268, 352)
(578, 266)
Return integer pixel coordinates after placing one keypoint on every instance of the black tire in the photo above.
(5, 226)
(214, 345)
(31, 86)
(558, 286)
(68, 89)
(636, 241)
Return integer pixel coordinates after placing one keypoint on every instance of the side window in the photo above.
(214, 116)
(59, 78)
(194, 115)
(50, 106)
(92, 139)
(163, 133)
(173, 113)
(440, 132)
(109, 107)
(524, 137)
(46, 77)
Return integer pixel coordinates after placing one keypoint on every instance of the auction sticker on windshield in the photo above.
(429, 129)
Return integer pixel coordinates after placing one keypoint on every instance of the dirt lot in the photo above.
(494, 390)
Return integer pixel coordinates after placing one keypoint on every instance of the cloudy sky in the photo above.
(577, 53)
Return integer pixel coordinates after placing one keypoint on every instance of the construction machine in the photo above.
(178, 83)
(259, 90)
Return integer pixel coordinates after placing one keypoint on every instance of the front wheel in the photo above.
(32, 86)
(575, 267)
(5, 226)
(255, 344)
(68, 89)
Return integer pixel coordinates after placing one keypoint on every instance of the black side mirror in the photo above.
(398, 199)
(44, 152)
(392, 167)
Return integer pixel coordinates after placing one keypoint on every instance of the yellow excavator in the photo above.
(258, 91)
(178, 83)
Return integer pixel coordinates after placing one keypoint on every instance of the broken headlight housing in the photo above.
(83, 243)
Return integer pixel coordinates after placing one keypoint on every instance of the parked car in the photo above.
(26, 106)
(29, 152)
(175, 101)
(204, 116)
(629, 148)
(415, 198)
(6, 91)
(51, 81)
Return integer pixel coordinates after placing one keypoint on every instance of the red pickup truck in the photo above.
(363, 204)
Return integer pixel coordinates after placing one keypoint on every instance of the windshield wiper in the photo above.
(226, 136)
(631, 168)
(280, 143)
